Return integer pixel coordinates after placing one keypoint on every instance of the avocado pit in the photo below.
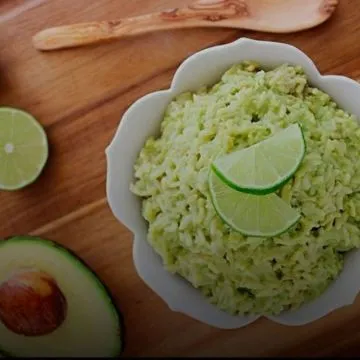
(31, 303)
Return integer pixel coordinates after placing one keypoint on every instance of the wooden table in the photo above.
(79, 96)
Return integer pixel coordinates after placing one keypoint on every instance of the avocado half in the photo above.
(52, 304)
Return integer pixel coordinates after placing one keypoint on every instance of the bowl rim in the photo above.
(125, 124)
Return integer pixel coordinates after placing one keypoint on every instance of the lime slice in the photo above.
(23, 149)
(251, 215)
(266, 166)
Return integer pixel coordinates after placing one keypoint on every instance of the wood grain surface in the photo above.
(79, 96)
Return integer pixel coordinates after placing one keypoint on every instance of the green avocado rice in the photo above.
(249, 275)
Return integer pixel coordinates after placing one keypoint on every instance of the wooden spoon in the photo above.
(277, 16)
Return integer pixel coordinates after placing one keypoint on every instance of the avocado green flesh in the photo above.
(92, 327)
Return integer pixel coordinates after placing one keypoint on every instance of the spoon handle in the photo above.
(201, 13)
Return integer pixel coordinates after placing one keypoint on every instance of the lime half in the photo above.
(23, 149)
(251, 215)
(266, 166)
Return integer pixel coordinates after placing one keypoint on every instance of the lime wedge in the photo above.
(266, 166)
(251, 215)
(23, 149)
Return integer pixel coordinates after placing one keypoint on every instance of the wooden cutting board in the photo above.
(80, 96)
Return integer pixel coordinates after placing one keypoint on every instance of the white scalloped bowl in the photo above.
(143, 119)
